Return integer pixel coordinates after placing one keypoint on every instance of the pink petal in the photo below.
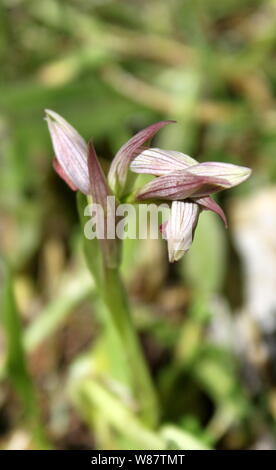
(98, 186)
(180, 228)
(209, 204)
(155, 161)
(100, 192)
(119, 168)
(62, 174)
(181, 185)
(163, 227)
(70, 150)
(233, 174)
(70, 130)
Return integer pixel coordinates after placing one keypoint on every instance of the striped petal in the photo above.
(58, 169)
(233, 174)
(155, 161)
(208, 203)
(179, 230)
(181, 185)
(98, 186)
(118, 172)
(100, 192)
(70, 151)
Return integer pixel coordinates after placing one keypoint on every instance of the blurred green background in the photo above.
(207, 323)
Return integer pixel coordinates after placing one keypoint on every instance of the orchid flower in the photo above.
(188, 184)
(72, 159)
(76, 162)
(179, 178)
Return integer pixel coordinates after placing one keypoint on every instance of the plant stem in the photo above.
(118, 322)
(115, 298)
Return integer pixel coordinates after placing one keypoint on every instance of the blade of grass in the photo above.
(55, 313)
(16, 364)
(91, 395)
(182, 439)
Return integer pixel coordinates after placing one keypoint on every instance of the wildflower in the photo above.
(188, 184)
(72, 158)
(76, 162)
(71, 153)
(179, 178)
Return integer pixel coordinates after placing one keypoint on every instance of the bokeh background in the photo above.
(208, 322)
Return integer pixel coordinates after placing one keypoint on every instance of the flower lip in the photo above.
(180, 228)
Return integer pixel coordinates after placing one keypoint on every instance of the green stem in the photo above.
(115, 298)
(119, 322)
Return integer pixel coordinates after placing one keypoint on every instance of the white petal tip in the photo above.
(49, 113)
(176, 256)
(53, 116)
(246, 171)
(241, 176)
